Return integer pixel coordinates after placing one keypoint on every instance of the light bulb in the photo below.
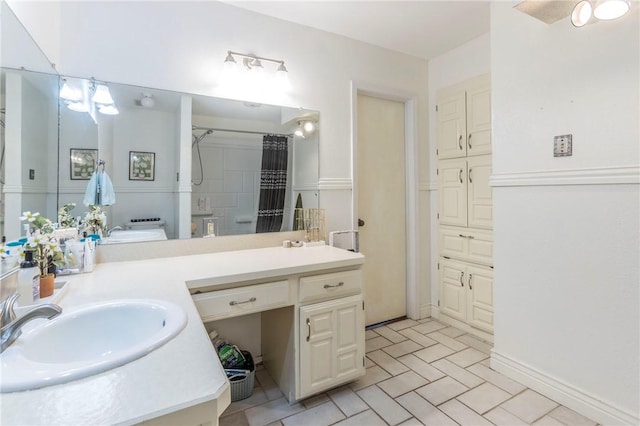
(102, 95)
(309, 126)
(581, 13)
(298, 132)
(606, 10)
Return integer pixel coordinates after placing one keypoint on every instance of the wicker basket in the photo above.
(242, 388)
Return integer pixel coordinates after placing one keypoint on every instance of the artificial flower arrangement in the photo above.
(95, 220)
(65, 220)
(42, 242)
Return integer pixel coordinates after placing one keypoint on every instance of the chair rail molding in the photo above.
(588, 176)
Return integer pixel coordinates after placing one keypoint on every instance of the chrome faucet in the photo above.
(12, 327)
(115, 228)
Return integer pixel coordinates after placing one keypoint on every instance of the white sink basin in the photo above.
(88, 340)
(135, 235)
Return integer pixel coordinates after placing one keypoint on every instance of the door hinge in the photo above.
(178, 177)
(437, 170)
(436, 108)
(437, 153)
(363, 363)
(438, 302)
(363, 305)
(438, 215)
(438, 266)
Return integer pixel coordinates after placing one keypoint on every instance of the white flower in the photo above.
(29, 216)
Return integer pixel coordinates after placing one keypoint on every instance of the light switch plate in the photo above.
(562, 146)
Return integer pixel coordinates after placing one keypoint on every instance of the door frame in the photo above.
(410, 101)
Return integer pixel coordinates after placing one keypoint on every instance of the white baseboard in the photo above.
(562, 392)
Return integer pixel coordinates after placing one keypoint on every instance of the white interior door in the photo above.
(381, 204)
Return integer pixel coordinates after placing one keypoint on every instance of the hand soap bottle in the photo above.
(28, 280)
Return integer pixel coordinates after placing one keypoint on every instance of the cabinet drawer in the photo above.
(328, 286)
(466, 244)
(242, 300)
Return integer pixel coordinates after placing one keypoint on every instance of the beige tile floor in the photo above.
(418, 373)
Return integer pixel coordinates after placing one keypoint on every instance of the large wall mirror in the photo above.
(186, 160)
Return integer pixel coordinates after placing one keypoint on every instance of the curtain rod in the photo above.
(215, 129)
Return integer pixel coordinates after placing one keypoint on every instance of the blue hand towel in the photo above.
(106, 187)
(92, 190)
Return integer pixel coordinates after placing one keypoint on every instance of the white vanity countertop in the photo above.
(182, 373)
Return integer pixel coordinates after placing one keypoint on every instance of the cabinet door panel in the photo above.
(452, 175)
(479, 121)
(335, 349)
(452, 290)
(451, 126)
(480, 283)
(481, 248)
(480, 201)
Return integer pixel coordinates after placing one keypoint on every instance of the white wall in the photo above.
(567, 229)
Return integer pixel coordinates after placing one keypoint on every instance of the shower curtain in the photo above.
(273, 183)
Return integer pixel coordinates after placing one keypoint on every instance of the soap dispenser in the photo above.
(28, 280)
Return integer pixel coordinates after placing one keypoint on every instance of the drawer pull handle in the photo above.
(460, 142)
(469, 141)
(340, 284)
(234, 303)
(460, 176)
(471, 237)
(461, 279)
(308, 329)
(470, 286)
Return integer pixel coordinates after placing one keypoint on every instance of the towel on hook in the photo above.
(99, 190)
(91, 192)
(107, 194)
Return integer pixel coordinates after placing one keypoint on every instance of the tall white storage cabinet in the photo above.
(465, 210)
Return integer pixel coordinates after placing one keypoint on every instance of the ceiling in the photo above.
(424, 28)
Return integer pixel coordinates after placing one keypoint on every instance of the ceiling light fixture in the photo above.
(101, 95)
(147, 100)
(603, 10)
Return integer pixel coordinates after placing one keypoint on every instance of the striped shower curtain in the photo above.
(273, 183)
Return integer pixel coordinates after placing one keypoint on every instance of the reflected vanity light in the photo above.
(305, 128)
(90, 97)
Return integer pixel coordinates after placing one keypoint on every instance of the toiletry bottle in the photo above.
(28, 280)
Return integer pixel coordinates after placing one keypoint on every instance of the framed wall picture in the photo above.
(83, 163)
(142, 165)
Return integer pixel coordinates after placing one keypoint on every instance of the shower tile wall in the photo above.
(231, 182)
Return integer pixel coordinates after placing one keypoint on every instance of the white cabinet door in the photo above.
(331, 344)
(452, 188)
(451, 126)
(466, 293)
(452, 289)
(479, 120)
(480, 299)
(479, 200)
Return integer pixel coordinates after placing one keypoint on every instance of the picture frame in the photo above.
(142, 165)
(83, 163)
